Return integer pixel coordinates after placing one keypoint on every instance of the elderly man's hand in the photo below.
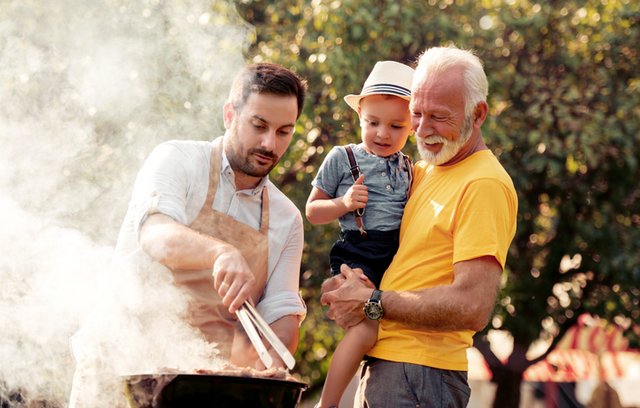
(345, 295)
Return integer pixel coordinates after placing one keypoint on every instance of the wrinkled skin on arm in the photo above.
(465, 304)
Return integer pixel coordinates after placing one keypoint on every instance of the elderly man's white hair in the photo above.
(437, 60)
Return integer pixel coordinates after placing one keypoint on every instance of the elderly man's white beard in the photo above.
(449, 148)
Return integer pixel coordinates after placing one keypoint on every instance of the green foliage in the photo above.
(571, 113)
(564, 120)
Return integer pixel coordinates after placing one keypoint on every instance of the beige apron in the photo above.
(206, 310)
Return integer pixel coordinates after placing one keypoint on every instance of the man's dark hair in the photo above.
(270, 78)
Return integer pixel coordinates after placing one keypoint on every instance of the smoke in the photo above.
(87, 90)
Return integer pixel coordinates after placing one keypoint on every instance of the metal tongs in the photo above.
(256, 326)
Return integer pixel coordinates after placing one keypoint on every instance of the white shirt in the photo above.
(174, 181)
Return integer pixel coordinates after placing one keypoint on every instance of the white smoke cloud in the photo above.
(47, 278)
(88, 88)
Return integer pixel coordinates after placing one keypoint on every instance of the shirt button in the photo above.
(382, 161)
(388, 187)
(383, 173)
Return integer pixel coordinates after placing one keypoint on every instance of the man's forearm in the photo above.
(431, 309)
(287, 329)
(465, 304)
(178, 246)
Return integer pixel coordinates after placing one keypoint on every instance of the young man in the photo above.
(455, 233)
(206, 215)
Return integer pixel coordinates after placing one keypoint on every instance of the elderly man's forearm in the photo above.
(436, 309)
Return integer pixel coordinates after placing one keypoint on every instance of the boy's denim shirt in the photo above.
(387, 179)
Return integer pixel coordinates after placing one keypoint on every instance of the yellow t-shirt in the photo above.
(455, 213)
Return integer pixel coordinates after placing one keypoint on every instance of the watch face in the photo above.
(373, 310)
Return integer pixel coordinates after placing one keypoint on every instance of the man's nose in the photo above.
(422, 127)
(269, 140)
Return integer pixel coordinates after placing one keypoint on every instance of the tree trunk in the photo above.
(508, 388)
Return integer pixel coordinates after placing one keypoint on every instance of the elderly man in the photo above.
(455, 232)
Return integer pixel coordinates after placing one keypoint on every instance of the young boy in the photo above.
(375, 175)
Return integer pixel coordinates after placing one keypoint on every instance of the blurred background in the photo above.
(88, 88)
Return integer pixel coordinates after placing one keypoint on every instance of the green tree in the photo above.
(565, 117)
(564, 121)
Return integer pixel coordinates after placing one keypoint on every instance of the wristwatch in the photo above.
(373, 307)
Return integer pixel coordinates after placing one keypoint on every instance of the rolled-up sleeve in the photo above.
(281, 296)
(162, 185)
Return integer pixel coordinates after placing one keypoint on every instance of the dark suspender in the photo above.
(355, 173)
(409, 164)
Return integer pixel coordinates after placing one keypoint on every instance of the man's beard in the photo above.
(242, 162)
(449, 148)
(244, 165)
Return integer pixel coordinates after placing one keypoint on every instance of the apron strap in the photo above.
(264, 217)
(214, 172)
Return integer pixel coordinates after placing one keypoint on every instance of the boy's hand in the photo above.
(357, 195)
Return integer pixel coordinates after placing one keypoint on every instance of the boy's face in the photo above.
(385, 122)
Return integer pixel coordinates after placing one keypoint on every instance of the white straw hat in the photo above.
(386, 77)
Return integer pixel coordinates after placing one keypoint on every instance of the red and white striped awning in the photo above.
(592, 349)
(578, 365)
